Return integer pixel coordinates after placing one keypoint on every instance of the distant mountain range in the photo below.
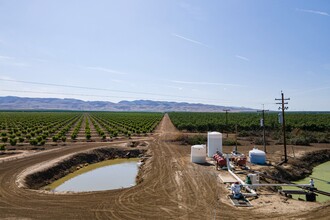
(19, 103)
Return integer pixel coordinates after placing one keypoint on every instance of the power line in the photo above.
(74, 94)
(60, 93)
(80, 87)
(103, 89)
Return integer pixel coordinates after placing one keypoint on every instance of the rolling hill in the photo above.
(23, 103)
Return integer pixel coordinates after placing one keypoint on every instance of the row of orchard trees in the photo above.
(36, 128)
(202, 122)
(125, 124)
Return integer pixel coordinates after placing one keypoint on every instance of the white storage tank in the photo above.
(214, 143)
(257, 156)
(198, 153)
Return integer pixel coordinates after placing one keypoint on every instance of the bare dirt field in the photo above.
(171, 187)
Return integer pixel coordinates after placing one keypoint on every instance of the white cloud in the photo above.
(40, 60)
(18, 64)
(206, 83)
(106, 70)
(6, 78)
(313, 12)
(175, 87)
(6, 58)
(117, 81)
(190, 40)
(242, 58)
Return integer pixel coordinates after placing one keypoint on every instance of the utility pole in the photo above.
(236, 139)
(282, 107)
(226, 110)
(262, 124)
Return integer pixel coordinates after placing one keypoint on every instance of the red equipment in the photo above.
(239, 159)
(220, 160)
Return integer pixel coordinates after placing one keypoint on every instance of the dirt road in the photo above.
(172, 188)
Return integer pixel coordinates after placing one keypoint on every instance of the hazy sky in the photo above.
(221, 52)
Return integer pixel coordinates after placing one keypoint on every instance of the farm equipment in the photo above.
(220, 160)
(238, 159)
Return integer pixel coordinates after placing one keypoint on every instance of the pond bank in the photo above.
(75, 162)
(299, 168)
(105, 175)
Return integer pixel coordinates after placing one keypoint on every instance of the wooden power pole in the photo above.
(262, 124)
(226, 110)
(283, 107)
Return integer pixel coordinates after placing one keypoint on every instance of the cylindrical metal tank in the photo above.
(198, 153)
(214, 143)
(257, 156)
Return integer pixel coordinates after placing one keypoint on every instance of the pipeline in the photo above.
(247, 187)
(288, 182)
(254, 194)
(277, 184)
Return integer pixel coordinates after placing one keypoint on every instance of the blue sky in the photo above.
(221, 52)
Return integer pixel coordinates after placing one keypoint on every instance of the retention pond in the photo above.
(321, 176)
(106, 175)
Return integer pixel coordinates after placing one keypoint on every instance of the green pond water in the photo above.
(321, 176)
(106, 175)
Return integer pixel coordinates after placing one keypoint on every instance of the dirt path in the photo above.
(172, 188)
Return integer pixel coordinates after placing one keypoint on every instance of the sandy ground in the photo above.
(172, 188)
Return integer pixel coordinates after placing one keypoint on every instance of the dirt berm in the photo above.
(300, 168)
(62, 168)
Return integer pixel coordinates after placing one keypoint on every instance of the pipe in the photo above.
(276, 184)
(249, 194)
(246, 186)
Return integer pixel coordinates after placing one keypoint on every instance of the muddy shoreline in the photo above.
(39, 179)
